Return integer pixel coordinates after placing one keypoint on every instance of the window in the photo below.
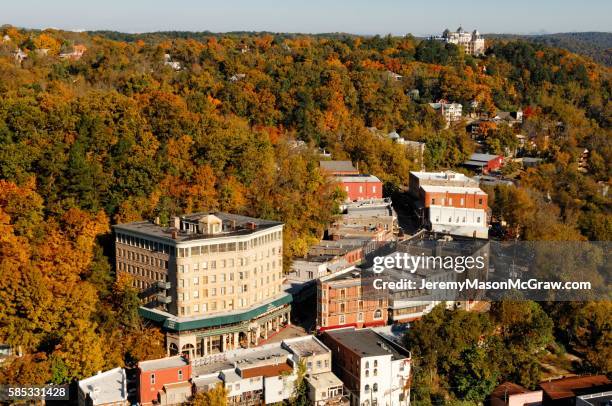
(152, 379)
(478, 219)
(375, 388)
(367, 388)
(342, 320)
(360, 317)
(375, 372)
(378, 314)
(462, 201)
(450, 201)
(180, 374)
(433, 201)
(479, 201)
(367, 365)
(367, 373)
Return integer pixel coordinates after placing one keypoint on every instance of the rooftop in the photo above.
(338, 166)
(233, 225)
(575, 385)
(306, 346)
(163, 363)
(366, 343)
(230, 376)
(508, 389)
(203, 381)
(241, 358)
(445, 176)
(483, 157)
(105, 387)
(358, 178)
(324, 380)
(267, 370)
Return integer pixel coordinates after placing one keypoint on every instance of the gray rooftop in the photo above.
(105, 387)
(366, 343)
(163, 363)
(306, 346)
(482, 157)
(358, 178)
(233, 225)
(337, 166)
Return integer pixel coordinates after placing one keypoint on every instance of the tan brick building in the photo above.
(213, 280)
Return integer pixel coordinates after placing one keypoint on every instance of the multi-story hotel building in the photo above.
(213, 280)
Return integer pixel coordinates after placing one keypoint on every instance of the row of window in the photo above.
(179, 376)
(342, 318)
(450, 219)
(229, 304)
(210, 279)
(144, 243)
(346, 188)
(224, 263)
(143, 272)
(145, 259)
(450, 201)
(319, 364)
(228, 247)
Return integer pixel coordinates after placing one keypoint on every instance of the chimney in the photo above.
(251, 225)
(174, 235)
(176, 222)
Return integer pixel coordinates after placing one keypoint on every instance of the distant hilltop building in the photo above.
(473, 43)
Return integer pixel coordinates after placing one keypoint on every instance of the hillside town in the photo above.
(213, 283)
(241, 274)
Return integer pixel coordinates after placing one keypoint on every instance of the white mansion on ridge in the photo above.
(473, 43)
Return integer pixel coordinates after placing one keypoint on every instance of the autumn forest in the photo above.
(153, 125)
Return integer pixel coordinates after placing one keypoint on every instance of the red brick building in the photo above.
(361, 187)
(155, 374)
(484, 163)
(452, 196)
(341, 303)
